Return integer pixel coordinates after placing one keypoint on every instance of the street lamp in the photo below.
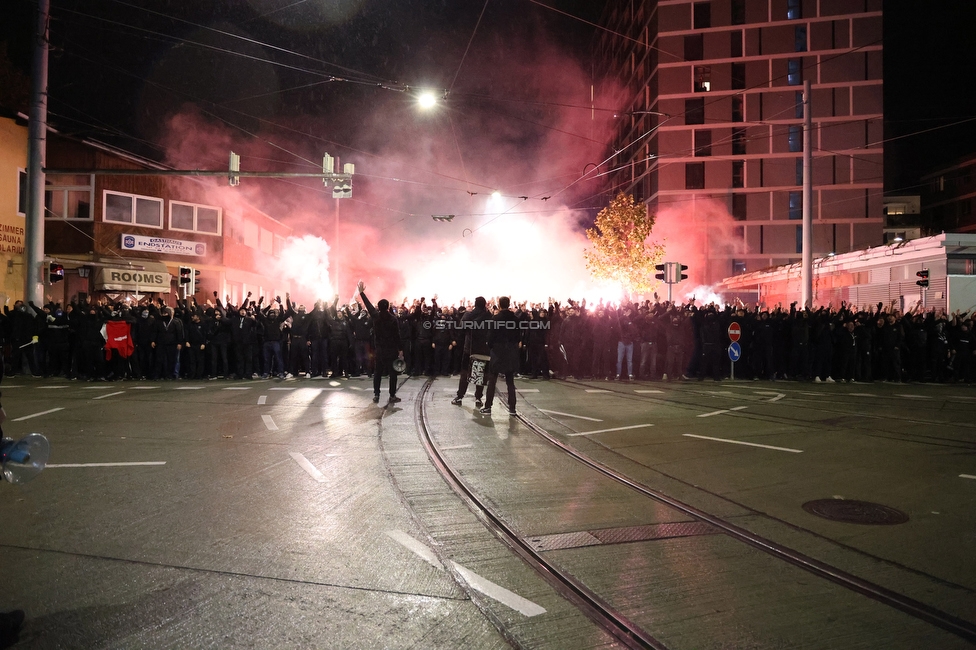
(427, 100)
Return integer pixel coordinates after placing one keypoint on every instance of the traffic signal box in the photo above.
(923, 276)
(55, 273)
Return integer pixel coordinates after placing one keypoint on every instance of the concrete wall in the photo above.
(13, 160)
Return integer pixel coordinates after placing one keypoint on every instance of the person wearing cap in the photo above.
(386, 342)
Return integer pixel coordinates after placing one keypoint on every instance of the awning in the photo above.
(154, 277)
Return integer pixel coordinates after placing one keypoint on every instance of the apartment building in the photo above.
(711, 121)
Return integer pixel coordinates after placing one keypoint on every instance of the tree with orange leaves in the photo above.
(620, 249)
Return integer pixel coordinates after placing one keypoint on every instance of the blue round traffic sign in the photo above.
(735, 351)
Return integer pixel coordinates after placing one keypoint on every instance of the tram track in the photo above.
(602, 612)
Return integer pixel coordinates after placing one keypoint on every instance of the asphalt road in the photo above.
(299, 514)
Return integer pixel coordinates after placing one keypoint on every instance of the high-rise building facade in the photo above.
(710, 100)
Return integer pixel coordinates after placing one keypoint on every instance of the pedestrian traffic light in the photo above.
(924, 278)
(660, 271)
(56, 273)
(195, 285)
(681, 275)
(186, 275)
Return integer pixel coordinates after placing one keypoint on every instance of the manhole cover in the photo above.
(855, 512)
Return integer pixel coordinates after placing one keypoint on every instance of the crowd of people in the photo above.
(268, 337)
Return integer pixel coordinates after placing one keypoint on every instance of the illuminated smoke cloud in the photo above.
(304, 262)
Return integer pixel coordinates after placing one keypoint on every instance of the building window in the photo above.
(703, 79)
(67, 197)
(799, 239)
(739, 207)
(22, 192)
(796, 205)
(703, 143)
(279, 245)
(735, 44)
(252, 234)
(132, 209)
(694, 111)
(694, 47)
(799, 171)
(738, 267)
(794, 9)
(800, 38)
(267, 242)
(738, 76)
(703, 15)
(738, 173)
(695, 176)
(738, 15)
(794, 76)
(194, 218)
(738, 141)
(799, 105)
(796, 138)
(737, 115)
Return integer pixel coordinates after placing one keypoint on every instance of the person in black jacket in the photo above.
(386, 339)
(505, 341)
(298, 351)
(474, 333)
(170, 338)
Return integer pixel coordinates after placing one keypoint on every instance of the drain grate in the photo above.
(855, 512)
(621, 535)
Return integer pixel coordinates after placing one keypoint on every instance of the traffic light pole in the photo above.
(36, 154)
(806, 271)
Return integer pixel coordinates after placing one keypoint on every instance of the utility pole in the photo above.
(807, 268)
(36, 156)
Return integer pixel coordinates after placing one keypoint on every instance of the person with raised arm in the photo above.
(386, 342)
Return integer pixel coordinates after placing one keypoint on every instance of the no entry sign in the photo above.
(734, 332)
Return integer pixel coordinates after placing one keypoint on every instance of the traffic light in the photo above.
(186, 275)
(56, 273)
(680, 274)
(660, 271)
(924, 278)
(195, 285)
(235, 166)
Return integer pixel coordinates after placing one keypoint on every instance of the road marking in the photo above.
(92, 387)
(50, 387)
(263, 399)
(307, 466)
(812, 394)
(14, 386)
(739, 442)
(967, 476)
(35, 415)
(528, 390)
(109, 394)
(189, 388)
(766, 392)
(499, 593)
(144, 387)
(778, 397)
(151, 462)
(269, 422)
(734, 408)
(913, 396)
(597, 390)
(487, 587)
(570, 415)
(724, 393)
(590, 433)
(331, 388)
(281, 388)
(238, 388)
(648, 391)
(862, 394)
(356, 388)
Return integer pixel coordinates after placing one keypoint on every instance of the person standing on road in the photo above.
(504, 340)
(475, 334)
(386, 339)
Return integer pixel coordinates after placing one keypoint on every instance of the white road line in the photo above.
(144, 387)
(109, 394)
(50, 387)
(499, 593)
(648, 391)
(281, 388)
(307, 466)
(528, 390)
(188, 388)
(487, 587)
(152, 462)
(862, 394)
(238, 388)
(92, 387)
(913, 396)
(778, 397)
(411, 544)
(35, 415)
(734, 408)
(765, 392)
(590, 433)
(14, 386)
(269, 422)
(739, 442)
(967, 476)
(570, 415)
(263, 399)
(597, 390)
